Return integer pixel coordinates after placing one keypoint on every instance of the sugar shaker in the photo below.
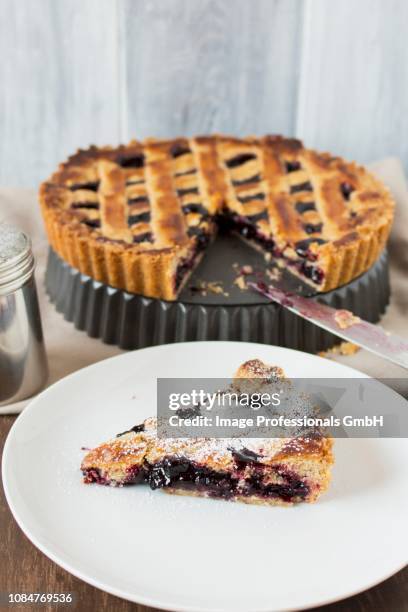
(23, 361)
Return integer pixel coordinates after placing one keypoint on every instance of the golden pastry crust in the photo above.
(344, 348)
(138, 217)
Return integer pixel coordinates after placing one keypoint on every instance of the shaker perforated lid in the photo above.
(16, 258)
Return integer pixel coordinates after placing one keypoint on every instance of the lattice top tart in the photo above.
(139, 217)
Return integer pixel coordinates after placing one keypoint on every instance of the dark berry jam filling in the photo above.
(313, 228)
(182, 473)
(250, 198)
(134, 475)
(202, 237)
(246, 228)
(85, 205)
(94, 475)
(143, 237)
(302, 247)
(178, 149)
(238, 160)
(187, 264)
(292, 166)
(142, 218)
(182, 269)
(135, 429)
(306, 186)
(195, 208)
(346, 190)
(244, 456)
(252, 179)
(292, 489)
(143, 199)
(93, 223)
(303, 207)
(313, 272)
(133, 161)
(262, 216)
(91, 186)
(165, 472)
(249, 231)
(189, 191)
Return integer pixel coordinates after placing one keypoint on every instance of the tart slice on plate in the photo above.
(252, 470)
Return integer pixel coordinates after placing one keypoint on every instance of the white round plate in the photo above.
(191, 554)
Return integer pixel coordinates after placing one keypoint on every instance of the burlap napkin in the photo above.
(69, 349)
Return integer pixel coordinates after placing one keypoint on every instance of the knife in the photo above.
(342, 323)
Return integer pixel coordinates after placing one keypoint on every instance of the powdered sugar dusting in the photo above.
(345, 319)
(12, 242)
(255, 368)
(219, 452)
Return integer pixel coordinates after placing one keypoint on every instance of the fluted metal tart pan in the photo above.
(133, 321)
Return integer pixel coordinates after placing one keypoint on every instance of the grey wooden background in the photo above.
(75, 72)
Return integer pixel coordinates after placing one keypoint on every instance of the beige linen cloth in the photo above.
(69, 349)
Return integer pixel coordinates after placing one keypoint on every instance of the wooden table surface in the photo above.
(24, 569)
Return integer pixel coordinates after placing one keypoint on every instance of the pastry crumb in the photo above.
(344, 348)
(345, 319)
(241, 283)
(274, 273)
(242, 272)
(206, 287)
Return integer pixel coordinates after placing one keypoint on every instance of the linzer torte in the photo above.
(139, 217)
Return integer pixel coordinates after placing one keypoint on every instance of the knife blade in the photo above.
(342, 323)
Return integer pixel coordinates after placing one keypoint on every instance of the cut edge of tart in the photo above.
(139, 217)
(271, 471)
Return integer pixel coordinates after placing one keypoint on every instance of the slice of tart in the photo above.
(252, 470)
